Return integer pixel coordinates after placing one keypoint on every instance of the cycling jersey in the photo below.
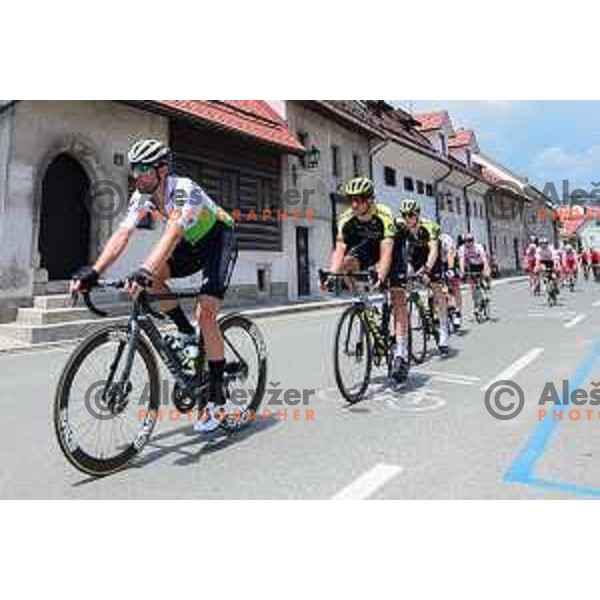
(363, 238)
(418, 241)
(413, 249)
(547, 254)
(186, 204)
(531, 250)
(473, 254)
(447, 246)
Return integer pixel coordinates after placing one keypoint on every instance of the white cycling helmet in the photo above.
(148, 152)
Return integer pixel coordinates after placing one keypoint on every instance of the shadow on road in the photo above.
(191, 449)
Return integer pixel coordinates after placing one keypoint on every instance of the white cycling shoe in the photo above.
(208, 420)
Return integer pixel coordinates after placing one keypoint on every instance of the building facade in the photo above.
(64, 186)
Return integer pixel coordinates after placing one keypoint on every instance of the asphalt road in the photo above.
(435, 439)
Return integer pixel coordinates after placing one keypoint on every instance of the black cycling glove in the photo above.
(142, 277)
(87, 276)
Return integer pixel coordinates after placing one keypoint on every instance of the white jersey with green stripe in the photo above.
(186, 205)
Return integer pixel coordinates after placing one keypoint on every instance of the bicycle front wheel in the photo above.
(417, 332)
(102, 420)
(352, 355)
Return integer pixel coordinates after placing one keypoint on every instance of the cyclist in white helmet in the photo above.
(198, 235)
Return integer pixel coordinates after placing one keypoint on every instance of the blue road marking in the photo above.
(522, 469)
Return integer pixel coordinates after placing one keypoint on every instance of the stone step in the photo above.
(39, 334)
(52, 301)
(40, 316)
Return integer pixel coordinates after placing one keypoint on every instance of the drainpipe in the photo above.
(435, 187)
(9, 104)
(489, 223)
(372, 152)
(467, 203)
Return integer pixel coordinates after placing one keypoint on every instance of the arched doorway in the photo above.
(64, 238)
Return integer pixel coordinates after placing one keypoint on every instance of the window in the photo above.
(468, 158)
(335, 161)
(429, 190)
(409, 184)
(458, 208)
(495, 244)
(356, 165)
(443, 144)
(420, 187)
(450, 207)
(389, 176)
(468, 207)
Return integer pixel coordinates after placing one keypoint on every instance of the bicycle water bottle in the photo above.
(189, 359)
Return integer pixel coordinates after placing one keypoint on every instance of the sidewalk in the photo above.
(9, 345)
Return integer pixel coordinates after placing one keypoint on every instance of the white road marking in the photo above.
(450, 375)
(574, 321)
(514, 368)
(456, 381)
(368, 483)
(596, 304)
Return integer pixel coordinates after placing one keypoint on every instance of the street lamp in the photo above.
(312, 157)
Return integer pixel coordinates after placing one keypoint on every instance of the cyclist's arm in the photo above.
(337, 258)
(385, 258)
(451, 257)
(461, 263)
(113, 249)
(486, 263)
(164, 248)
(433, 254)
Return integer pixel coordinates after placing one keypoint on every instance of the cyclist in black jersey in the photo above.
(417, 248)
(365, 233)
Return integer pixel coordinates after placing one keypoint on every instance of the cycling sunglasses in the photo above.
(141, 169)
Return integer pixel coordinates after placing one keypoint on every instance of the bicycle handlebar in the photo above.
(143, 299)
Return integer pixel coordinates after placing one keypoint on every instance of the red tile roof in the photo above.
(251, 117)
(570, 227)
(432, 120)
(460, 138)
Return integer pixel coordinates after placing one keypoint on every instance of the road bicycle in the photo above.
(479, 296)
(108, 398)
(551, 287)
(363, 336)
(423, 324)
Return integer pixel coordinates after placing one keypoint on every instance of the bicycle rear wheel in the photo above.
(352, 355)
(101, 423)
(245, 377)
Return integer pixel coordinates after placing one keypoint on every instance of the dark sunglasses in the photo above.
(140, 169)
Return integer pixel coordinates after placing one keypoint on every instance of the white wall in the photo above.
(92, 132)
(400, 159)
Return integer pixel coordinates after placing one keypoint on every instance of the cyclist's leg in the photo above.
(218, 262)
(440, 300)
(397, 280)
(179, 261)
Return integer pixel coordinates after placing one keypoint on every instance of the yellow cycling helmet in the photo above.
(360, 186)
